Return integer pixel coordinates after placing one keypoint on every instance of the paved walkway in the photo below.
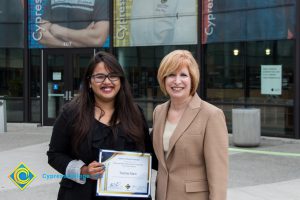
(268, 172)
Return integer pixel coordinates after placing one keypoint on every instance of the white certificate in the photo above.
(127, 174)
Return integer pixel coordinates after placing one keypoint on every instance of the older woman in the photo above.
(189, 136)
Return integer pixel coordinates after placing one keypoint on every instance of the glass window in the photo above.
(12, 82)
(225, 72)
(249, 59)
(276, 109)
(15, 109)
(234, 79)
(270, 53)
(35, 85)
(141, 65)
(11, 72)
(11, 23)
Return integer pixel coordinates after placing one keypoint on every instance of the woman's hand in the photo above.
(94, 170)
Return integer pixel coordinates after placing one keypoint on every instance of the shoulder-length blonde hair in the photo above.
(173, 62)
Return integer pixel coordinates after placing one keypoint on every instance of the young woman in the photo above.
(102, 116)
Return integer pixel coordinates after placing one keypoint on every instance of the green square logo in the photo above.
(22, 176)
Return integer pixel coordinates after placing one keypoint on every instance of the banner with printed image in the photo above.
(155, 22)
(247, 20)
(68, 23)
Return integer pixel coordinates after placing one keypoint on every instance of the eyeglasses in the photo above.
(100, 78)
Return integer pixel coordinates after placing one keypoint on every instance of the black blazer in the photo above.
(60, 153)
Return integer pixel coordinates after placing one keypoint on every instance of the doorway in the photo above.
(62, 74)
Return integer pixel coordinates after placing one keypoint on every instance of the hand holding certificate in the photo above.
(127, 174)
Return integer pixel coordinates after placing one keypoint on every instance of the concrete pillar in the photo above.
(3, 120)
(246, 128)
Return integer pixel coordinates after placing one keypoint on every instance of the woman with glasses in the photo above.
(102, 116)
(189, 136)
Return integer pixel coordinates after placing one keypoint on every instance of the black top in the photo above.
(103, 138)
(100, 137)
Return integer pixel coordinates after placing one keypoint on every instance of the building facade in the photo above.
(248, 52)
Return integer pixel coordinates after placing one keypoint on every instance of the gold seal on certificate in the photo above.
(127, 174)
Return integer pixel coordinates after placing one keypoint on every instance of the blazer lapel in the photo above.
(158, 137)
(187, 117)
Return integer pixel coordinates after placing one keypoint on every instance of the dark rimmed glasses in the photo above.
(100, 78)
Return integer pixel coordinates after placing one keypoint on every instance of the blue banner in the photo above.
(248, 20)
(68, 23)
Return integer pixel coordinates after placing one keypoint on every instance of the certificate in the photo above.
(127, 174)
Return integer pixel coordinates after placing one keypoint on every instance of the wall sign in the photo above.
(271, 79)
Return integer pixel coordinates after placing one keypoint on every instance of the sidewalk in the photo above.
(259, 174)
(262, 174)
(26, 144)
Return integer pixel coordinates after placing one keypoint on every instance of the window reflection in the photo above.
(235, 81)
(35, 85)
(11, 72)
(225, 72)
(12, 82)
(141, 65)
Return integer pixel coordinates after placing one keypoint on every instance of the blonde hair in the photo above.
(173, 62)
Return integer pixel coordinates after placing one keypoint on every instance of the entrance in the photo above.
(62, 74)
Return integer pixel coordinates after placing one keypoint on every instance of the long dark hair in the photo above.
(126, 111)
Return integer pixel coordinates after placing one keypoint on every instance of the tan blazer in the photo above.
(196, 165)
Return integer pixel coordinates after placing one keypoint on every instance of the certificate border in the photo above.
(100, 192)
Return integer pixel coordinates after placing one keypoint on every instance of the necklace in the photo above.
(102, 113)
